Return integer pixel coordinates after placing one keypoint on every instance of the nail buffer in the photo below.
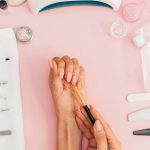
(140, 115)
(138, 97)
(145, 132)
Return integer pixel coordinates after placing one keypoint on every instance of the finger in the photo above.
(83, 128)
(111, 138)
(53, 68)
(91, 148)
(61, 68)
(84, 119)
(56, 60)
(68, 68)
(54, 80)
(100, 136)
(81, 81)
(92, 143)
(76, 70)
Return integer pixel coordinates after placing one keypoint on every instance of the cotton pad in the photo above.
(37, 6)
(15, 2)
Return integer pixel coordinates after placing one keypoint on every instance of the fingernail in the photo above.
(69, 76)
(74, 79)
(61, 73)
(98, 125)
(50, 63)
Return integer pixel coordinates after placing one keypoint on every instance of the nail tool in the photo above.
(87, 110)
(140, 115)
(138, 97)
(4, 59)
(5, 132)
(145, 132)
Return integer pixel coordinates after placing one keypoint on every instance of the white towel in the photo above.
(9, 71)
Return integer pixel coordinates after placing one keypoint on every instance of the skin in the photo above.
(65, 72)
(100, 135)
(72, 120)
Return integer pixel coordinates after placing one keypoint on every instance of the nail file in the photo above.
(11, 119)
(140, 115)
(37, 6)
(138, 97)
(145, 132)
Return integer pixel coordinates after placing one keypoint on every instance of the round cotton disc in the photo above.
(15, 2)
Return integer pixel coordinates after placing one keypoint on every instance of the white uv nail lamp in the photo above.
(37, 6)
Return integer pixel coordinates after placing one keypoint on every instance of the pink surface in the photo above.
(113, 69)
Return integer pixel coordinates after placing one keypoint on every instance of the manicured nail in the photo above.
(74, 80)
(50, 63)
(69, 76)
(61, 73)
(98, 125)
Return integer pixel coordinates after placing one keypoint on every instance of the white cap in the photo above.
(139, 40)
(37, 5)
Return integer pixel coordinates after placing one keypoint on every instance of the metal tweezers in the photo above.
(145, 132)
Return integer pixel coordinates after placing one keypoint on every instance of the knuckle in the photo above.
(66, 57)
(56, 58)
(75, 60)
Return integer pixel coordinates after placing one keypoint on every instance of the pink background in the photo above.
(113, 69)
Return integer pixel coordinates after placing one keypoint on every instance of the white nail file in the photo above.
(11, 110)
(138, 97)
(140, 115)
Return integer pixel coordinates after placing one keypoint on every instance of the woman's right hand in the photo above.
(99, 136)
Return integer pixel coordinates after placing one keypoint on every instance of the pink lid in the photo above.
(132, 12)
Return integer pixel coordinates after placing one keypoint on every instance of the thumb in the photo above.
(100, 136)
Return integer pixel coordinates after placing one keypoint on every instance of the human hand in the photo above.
(99, 136)
(65, 72)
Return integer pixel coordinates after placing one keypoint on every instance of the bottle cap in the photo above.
(139, 40)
